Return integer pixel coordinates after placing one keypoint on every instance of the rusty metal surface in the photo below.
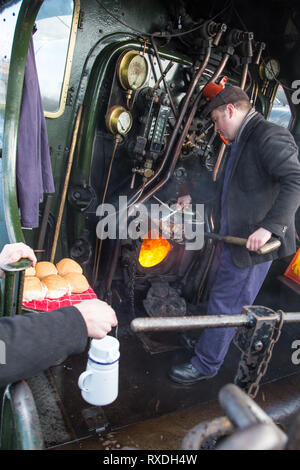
(203, 432)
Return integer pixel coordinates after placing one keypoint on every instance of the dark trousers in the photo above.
(230, 288)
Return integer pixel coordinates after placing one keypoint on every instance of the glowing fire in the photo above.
(153, 251)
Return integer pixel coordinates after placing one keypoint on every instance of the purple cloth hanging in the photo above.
(34, 172)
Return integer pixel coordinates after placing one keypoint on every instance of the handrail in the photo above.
(145, 324)
(20, 426)
(25, 22)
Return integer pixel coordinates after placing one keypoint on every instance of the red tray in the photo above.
(47, 305)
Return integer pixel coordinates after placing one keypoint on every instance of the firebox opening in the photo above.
(153, 251)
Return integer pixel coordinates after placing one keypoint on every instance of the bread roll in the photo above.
(68, 265)
(44, 268)
(30, 271)
(56, 286)
(33, 289)
(78, 282)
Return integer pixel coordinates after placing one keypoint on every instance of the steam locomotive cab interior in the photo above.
(130, 113)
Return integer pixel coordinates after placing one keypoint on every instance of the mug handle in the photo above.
(82, 378)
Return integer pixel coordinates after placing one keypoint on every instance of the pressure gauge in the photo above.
(269, 70)
(132, 70)
(118, 120)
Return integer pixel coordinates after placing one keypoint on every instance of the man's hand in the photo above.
(258, 238)
(15, 251)
(99, 317)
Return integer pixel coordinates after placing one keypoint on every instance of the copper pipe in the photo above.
(223, 146)
(258, 57)
(244, 76)
(220, 68)
(67, 177)
(185, 131)
(218, 162)
(183, 110)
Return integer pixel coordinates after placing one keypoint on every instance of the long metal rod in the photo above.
(66, 183)
(187, 323)
(198, 322)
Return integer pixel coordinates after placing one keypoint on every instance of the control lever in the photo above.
(274, 244)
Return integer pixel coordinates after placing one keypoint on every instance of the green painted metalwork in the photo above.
(26, 18)
(20, 426)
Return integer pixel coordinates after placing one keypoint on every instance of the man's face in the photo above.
(224, 122)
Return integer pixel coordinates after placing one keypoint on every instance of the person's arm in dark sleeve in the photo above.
(279, 155)
(32, 342)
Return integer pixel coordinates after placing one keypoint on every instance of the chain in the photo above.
(132, 275)
(263, 366)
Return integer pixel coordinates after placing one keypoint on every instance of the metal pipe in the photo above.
(66, 183)
(245, 414)
(20, 425)
(178, 123)
(244, 76)
(184, 132)
(188, 323)
(220, 68)
(260, 436)
(240, 408)
(203, 321)
(198, 435)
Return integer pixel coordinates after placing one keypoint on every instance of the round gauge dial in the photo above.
(269, 70)
(118, 120)
(132, 70)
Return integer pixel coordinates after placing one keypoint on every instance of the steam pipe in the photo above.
(189, 121)
(178, 123)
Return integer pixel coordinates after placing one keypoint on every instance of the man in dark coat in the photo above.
(260, 195)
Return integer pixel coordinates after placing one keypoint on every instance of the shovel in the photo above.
(267, 248)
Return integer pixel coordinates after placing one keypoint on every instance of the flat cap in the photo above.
(229, 94)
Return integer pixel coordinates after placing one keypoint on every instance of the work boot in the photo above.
(186, 373)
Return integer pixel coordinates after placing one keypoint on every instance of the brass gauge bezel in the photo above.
(113, 120)
(124, 69)
(263, 70)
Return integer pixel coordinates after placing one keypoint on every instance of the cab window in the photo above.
(281, 112)
(54, 24)
(51, 43)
